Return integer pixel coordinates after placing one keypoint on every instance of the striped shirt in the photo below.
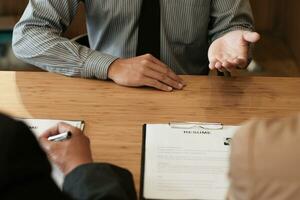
(187, 29)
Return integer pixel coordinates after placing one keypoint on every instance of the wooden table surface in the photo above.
(114, 115)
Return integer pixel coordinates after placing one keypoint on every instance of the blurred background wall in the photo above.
(277, 54)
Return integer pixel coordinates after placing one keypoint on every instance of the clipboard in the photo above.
(40, 125)
(202, 127)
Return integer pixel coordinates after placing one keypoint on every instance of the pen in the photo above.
(60, 137)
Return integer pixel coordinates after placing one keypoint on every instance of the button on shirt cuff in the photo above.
(96, 65)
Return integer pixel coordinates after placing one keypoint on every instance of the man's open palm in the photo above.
(231, 50)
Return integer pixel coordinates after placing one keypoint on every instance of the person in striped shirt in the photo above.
(195, 36)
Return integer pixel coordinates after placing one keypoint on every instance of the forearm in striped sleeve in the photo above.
(37, 40)
(229, 15)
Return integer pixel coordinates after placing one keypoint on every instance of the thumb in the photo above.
(45, 143)
(251, 37)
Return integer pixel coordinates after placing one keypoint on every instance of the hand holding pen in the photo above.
(66, 146)
(60, 137)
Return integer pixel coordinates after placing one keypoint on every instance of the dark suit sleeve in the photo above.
(25, 172)
(100, 181)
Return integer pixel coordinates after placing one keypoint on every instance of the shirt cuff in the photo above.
(96, 65)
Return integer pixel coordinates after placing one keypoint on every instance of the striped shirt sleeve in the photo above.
(37, 40)
(229, 15)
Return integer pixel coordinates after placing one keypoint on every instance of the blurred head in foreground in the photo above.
(265, 160)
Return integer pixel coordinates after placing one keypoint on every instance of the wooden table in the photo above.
(114, 115)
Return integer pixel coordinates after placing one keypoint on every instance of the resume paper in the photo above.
(182, 163)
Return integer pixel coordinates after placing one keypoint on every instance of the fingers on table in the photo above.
(157, 84)
(158, 75)
(163, 78)
(165, 69)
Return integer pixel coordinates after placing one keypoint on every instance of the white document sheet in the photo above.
(38, 126)
(186, 163)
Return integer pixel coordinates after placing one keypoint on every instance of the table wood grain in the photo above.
(114, 115)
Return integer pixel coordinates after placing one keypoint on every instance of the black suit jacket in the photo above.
(25, 172)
